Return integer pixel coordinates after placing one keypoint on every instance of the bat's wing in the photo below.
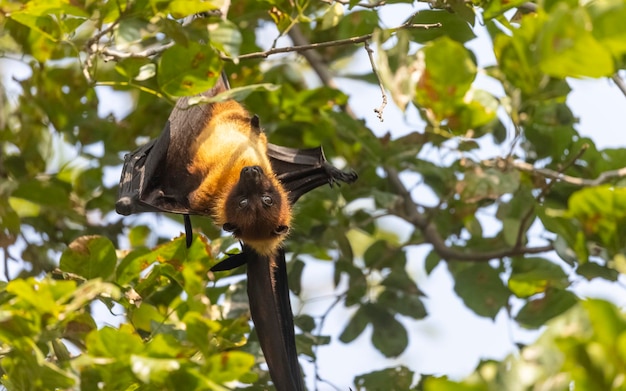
(154, 176)
(302, 170)
(270, 308)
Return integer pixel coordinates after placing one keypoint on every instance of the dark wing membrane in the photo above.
(155, 176)
(302, 170)
(133, 181)
(270, 308)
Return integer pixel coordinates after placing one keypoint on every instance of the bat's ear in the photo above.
(228, 227)
(281, 230)
(254, 121)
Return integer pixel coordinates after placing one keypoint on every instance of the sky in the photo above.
(451, 340)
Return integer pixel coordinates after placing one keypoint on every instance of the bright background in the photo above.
(451, 339)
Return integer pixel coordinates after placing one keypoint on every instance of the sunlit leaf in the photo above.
(568, 48)
(89, 257)
(535, 275)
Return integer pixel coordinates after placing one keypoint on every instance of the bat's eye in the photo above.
(267, 200)
(243, 203)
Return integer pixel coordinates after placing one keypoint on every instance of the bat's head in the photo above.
(258, 211)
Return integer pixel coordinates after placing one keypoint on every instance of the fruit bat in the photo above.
(214, 160)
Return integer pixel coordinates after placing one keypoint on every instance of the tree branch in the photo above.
(556, 175)
(363, 5)
(410, 213)
(320, 45)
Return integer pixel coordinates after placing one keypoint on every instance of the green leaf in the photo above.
(188, 70)
(432, 260)
(355, 326)
(389, 335)
(375, 253)
(591, 270)
(607, 320)
(481, 289)
(397, 378)
(31, 371)
(567, 47)
(444, 384)
(498, 7)
(332, 16)
(119, 344)
(535, 313)
(452, 26)
(608, 28)
(447, 72)
(229, 366)
(535, 275)
(144, 317)
(601, 211)
(90, 257)
(481, 184)
(200, 331)
(138, 235)
(182, 8)
(46, 192)
(225, 37)
(153, 370)
(403, 303)
(295, 269)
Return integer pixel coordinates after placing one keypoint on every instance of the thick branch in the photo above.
(313, 58)
(410, 213)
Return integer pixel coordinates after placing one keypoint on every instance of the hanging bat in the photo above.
(214, 160)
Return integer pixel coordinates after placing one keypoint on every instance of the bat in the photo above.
(214, 160)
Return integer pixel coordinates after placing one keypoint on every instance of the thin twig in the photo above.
(320, 45)
(378, 110)
(337, 300)
(619, 82)
(540, 197)
(409, 212)
(362, 5)
(560, 177)
(6, 264)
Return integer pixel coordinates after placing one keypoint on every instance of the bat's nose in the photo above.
(253, 171)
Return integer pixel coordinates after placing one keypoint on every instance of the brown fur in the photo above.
(227, 144)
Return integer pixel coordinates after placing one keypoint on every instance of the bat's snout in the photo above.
(251, 172)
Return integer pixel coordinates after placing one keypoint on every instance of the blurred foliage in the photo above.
(68, 257)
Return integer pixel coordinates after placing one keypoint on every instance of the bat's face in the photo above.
(257, 209)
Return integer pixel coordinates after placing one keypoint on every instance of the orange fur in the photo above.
(227, 144)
